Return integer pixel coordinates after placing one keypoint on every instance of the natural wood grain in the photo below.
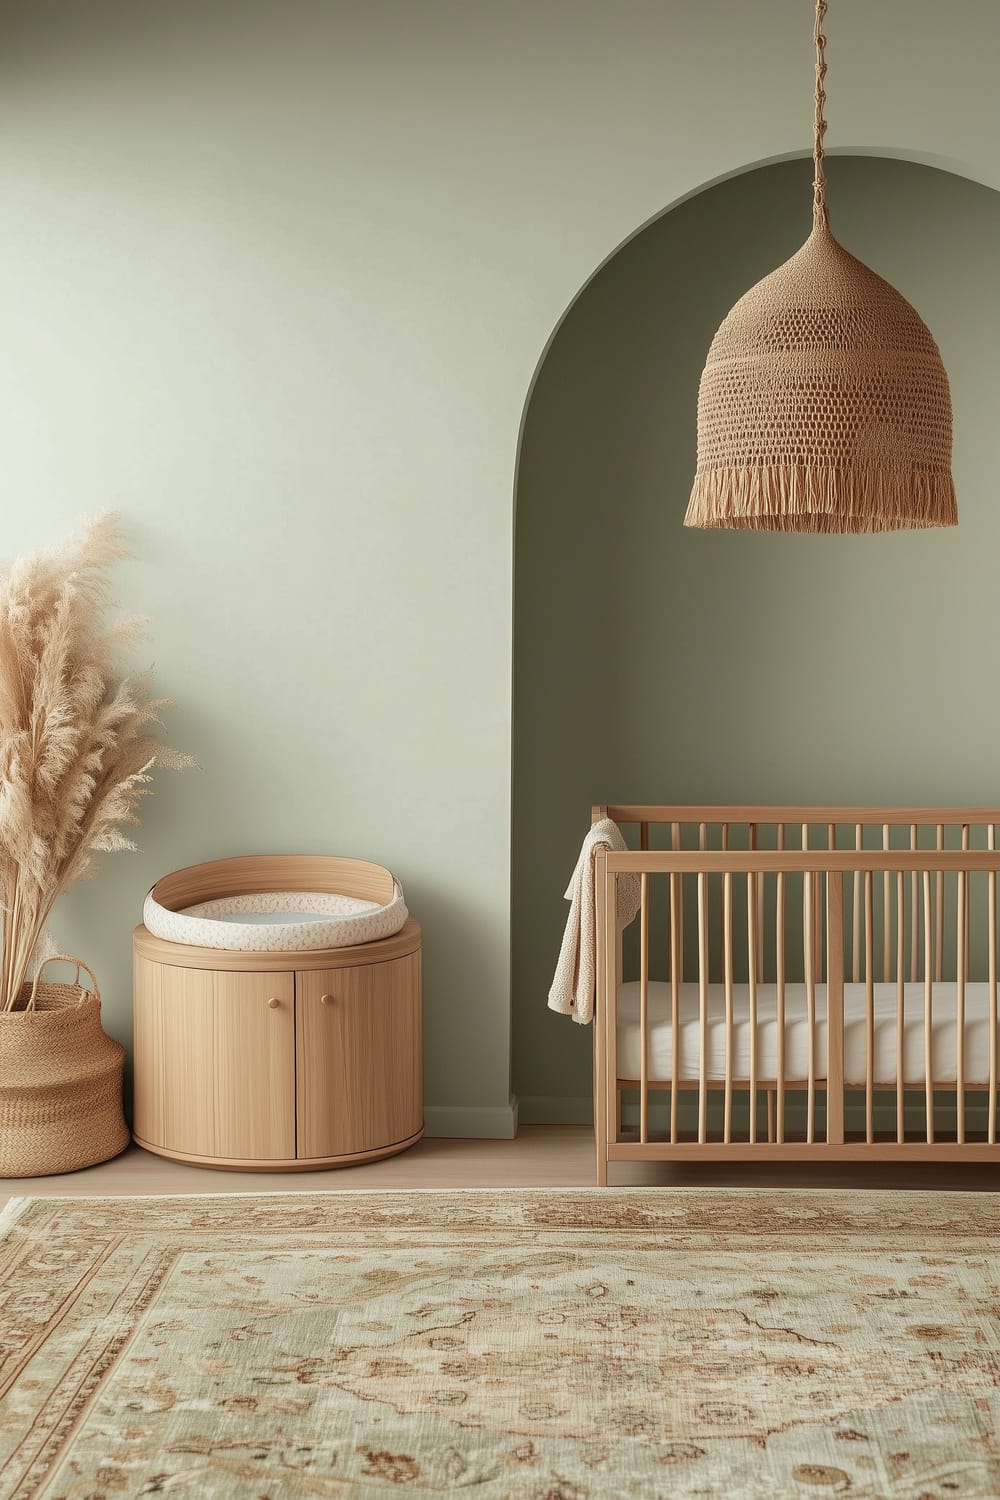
(835, 1010)
(294, 1164)
(702, 1005)
(771, 816)
(992, 976)
(817, 1151)
(939, 903)
(900, 1008)
(249, 874)
(961, 960)
(242, 1066)
(214, 1063)
(928, 1012)
(753, 968)
(600, 1029)
(869, 1009)
(767, 861)
(808, 960)
(358, 1061)
(914, 922)
(727, 951)
(899, 855)
(779, 948)
(676, 976)
(644, 1006)
(607, 917)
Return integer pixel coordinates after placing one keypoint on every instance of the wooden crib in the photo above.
(800, 982)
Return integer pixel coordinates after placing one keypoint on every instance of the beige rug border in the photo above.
(15, 1207)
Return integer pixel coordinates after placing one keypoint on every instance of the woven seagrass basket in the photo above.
(60, 1080)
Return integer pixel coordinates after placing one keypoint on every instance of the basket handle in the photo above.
(64, 958)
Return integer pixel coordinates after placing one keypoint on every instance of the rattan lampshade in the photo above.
(824, 404)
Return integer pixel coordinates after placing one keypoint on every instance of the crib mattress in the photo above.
(943, 1033)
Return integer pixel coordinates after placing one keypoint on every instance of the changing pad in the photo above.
(273, 921)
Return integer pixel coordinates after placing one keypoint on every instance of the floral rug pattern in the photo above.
(551, 1345)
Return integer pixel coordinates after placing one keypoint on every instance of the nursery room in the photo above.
(498, 776)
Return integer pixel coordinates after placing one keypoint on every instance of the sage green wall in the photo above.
(275, 276)
(657, 664)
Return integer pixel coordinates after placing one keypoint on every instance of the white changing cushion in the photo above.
(943, 1033)
(278, 921)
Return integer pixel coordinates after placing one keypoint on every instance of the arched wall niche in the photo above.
(657, 664)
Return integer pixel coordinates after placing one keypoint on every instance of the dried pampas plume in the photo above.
(77, 734)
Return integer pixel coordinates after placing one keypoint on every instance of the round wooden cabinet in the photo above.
(244, 1061)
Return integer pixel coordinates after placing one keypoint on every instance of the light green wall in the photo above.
(274, 279)
(657, 664)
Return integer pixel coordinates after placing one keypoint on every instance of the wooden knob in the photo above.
(274, 1002)
(326, 999)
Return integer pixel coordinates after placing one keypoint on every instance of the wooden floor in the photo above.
(541, 1156)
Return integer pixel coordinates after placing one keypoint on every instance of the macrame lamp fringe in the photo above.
(821, 501)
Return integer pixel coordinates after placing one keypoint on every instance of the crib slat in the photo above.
(702, 1007)
(807, 944)
(779, 947)
(886, 910)
(753, 959)
(835, 1008)
(675, 984)
(914, 922)
(811, 959)
(900, 1007)
(675, 844)
(991, 1128)
(869, 1010)
(859, 840)
(928, 996)
(759, 906)
(819, 905)
(965, 845)
(644, 1006)
(643, 835)
(727, 944)
(939, 901)
(960, 961)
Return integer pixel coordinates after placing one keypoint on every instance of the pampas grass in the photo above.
(77, 734)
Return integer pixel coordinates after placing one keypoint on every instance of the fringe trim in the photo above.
(821, 500)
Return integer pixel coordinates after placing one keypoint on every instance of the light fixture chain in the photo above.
(819, 121)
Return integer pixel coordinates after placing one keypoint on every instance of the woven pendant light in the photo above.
(824, 405)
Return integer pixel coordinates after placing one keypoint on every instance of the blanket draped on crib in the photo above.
(572, 992)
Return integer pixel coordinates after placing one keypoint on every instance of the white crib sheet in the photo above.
(943, 1033)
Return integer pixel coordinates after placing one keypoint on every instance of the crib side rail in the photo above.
(773, 815)
(730, 935)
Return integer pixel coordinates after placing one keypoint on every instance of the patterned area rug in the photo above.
(554, 1345)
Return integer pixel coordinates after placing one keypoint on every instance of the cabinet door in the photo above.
(215, 1062)
(359, 1062)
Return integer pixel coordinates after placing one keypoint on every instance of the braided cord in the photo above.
(819, 122)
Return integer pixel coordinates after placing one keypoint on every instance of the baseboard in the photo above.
(474, 1121)
(553, 1109)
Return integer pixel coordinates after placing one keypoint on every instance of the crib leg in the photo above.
(770, 1114)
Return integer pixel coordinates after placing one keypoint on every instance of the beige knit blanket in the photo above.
(572, 992)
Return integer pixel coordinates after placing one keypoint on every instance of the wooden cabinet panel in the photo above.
(215, 1062)
(359, 1057)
